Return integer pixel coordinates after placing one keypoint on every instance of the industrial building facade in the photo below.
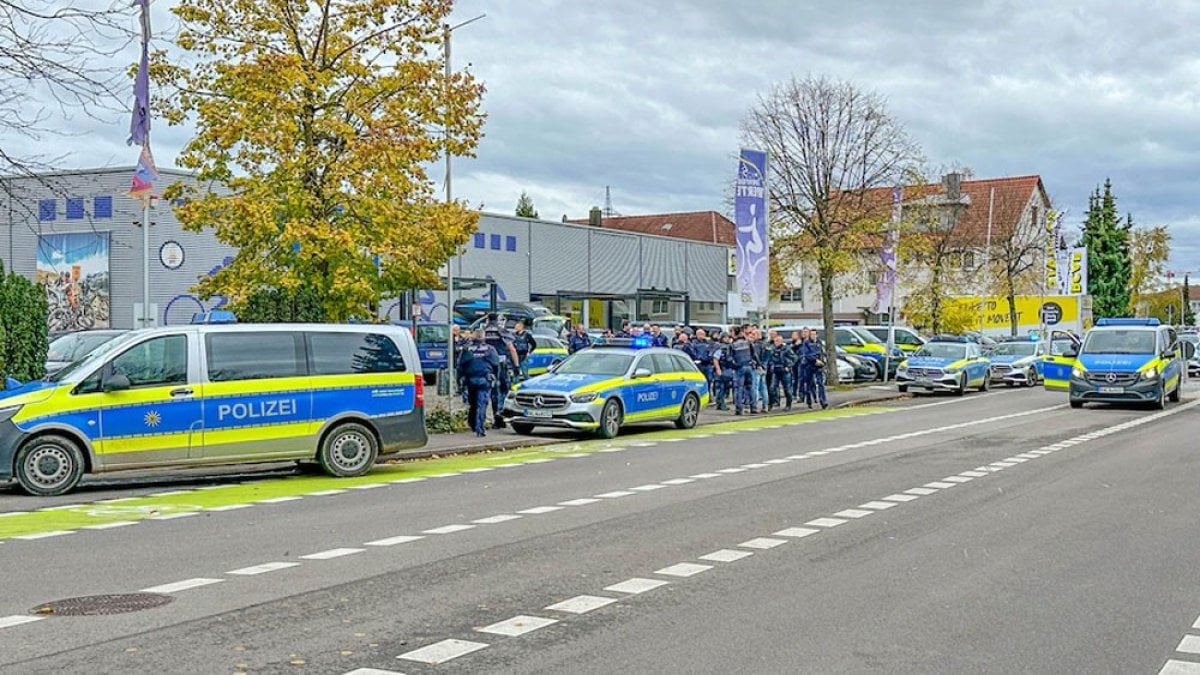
(79, 234)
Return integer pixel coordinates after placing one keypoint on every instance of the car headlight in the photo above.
(1077, 373)
(7, 413)
(952, 371)
(584, 398)
(1150, 374)
(902, 368)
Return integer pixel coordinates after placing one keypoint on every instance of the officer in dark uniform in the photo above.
(780, 361)
(657, 339)
(579, 340)
(725, 370)
(476, 372)
(625, 330)
(743, 378)
(702, 356)
(798, 369)
(500, 338)
(813, 353)
(524, 344)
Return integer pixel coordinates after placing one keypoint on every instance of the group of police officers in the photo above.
(758, 372)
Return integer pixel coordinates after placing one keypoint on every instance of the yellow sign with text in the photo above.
(1054, 310)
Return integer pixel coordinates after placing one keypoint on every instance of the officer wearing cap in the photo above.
(476, 372)
(743, 378)
(496, 335)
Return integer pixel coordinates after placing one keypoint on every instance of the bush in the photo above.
(24, 338)
(438, 420)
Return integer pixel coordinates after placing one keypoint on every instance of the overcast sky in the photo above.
(646, 97)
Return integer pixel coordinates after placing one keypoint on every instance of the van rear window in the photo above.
(350, 353)
(254, 356)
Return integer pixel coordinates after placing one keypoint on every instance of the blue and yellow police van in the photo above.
(945, 363)
(1128, 361)
(340, 395)
(604, 388)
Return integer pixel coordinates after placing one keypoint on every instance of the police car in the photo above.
(547, 352)
(1129, 360)
(945, 363)
(1018, 362)
(606, 387)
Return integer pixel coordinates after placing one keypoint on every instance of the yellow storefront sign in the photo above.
(1057, 309)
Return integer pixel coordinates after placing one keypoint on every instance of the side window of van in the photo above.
(254, 356)
(160, 362)
(349, 353)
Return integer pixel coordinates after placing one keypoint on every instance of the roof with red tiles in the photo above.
(706, 226)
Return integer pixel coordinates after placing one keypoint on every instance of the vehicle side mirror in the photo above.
(641, 373)
(115, 382)
(553, 366)
(1189, 349)
(1070, 352)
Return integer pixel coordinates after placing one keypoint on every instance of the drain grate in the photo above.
(98, 605)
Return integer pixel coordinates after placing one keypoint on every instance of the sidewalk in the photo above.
(507, 439)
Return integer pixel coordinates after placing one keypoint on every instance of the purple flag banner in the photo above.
(886, 283)
(139, 125)
(750, 216)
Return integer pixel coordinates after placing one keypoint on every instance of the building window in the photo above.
(102, 207)
(510, 244)
(47, 210)
(968, 260)
(872, 278)
(791, 295)
(479, 240)
(660, 306)
(495, 242)
(75, 209)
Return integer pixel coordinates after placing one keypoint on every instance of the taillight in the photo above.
(420, 381)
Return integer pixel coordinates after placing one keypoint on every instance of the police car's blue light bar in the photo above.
(949, 338)
(640, 342)
(1128, 322)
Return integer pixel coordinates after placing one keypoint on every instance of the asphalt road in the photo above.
(999, 533)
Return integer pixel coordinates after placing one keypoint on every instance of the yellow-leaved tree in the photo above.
(317, 120)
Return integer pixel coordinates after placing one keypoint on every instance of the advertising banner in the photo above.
(73, 268)
(750, 217)
(1055, 311)
(1054, 274)
(1077, 271)
(885, 286)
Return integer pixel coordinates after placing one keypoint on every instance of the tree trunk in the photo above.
(1012, 303)
(935, 302)
(826, 275)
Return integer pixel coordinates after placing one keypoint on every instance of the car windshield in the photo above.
(547, 342)
(1060, 347)
(595, 362)
(94, 356)
(1015, 349)
(76, 345)
(554, 324)
(866, 335)
(942, 350)
(1119, 342)
(433, 334)
(1190, 337)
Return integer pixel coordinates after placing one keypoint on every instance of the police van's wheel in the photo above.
(49, 465)
(610, 419)
(1076, 403)
(1174, 397)
(902, 388)
(522, 428)
(348, 450)
(688, 413)
(1161, 401)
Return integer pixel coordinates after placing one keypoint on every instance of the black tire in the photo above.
(1174, 395)
(49, 465)
(902, 388)
(987, 382)
(962, 386)
(1161, 402)
(522, 428)
(1075, 403)
(610, 419)
(349, 449)
(430, 378)
(1009, 385)
(689, 412)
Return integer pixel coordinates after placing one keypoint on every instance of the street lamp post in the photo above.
(450, 365)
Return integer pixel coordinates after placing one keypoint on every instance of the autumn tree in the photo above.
(315, 125)
(1015, 257)
(525, 207)
(933, 246)
(1149, 249)
(830, 143)
(1189, 317)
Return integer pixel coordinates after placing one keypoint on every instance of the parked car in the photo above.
(906, 339)
(946, 364)
(1194, 362)
(71, 347)
(1018, 362)
(432, 340)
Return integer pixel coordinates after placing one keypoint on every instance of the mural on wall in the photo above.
(73, 268)
(181, 308)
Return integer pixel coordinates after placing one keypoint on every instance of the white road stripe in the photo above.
(538, 510)
(648, 488)
(325, 493)
(278, 500)
(373, 671)
(263, 568)
(492, 520)
(683, 570)
(368, 486)
(509, 465)
(636, 585)
(1174, 667)
(230, 507)
(415, 479)
(542, 460)
(920, 492)
(45, 535)
(781, 460)
(726, 555)
(940, 486)
(762, 543)
(853, 513)
(900, 498)
(581, 604)
(17, 620)
(172, 493)
(109, 526)
(448, 529)
(441, 652)
(579, 502)
(1190, 644)
(173, 516)
(184, 585)
(615, 494)
(957, 479)
(796, 532)
(679, 481)
(332, 553)
(825, 522)
(706, 475)
(974, 474)
(735, 469)
(478, 469)
(878, 506)
(392, 541)
(756, 465)
(518, 625)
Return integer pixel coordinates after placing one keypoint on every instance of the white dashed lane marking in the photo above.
(1190, 644)
(263, 568)
(920, 491)
(679, 481)
(853, 513)
(232, 507)
(579, 502)
(45, 535)
(538, 510)
(392, 541)
(762, 543)
(448, 529)
(492, 520)
(278, 500)
(184, 585)
(796, 532)
(726, 555)
(373, 671)
(900, 498)
(648, 488)
(518, 625)
(17, 620)
(702, 476)
(581, 604)
(441, 652)
(616, 494)
(1174, 667)
(635, 585)
(111, 526)
(683, 570)
(939, 485)
(957, 479)
(878, 506)
(332, 553)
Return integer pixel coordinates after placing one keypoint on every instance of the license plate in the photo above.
(538, 413)
(924, 381)
(1112, 390)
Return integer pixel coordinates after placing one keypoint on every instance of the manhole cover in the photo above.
(95, 605)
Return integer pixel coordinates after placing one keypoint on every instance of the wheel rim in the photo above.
(611, 419)
(350, 450)
(49, 466)
(690, 411)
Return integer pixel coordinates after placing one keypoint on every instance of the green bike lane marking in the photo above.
(199, 500)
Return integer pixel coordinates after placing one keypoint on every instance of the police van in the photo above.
(342, 396)
(1128, 360)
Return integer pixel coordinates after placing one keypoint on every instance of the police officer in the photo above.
(476, 372)
(797, 369)
(579, 340)
(500, 339)
(702, 355)
(685, 346)
(657, 339)
(725, 369)
(743, 379)
(780, 360)
(524, 344)
(625, 331)
(813, 353)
